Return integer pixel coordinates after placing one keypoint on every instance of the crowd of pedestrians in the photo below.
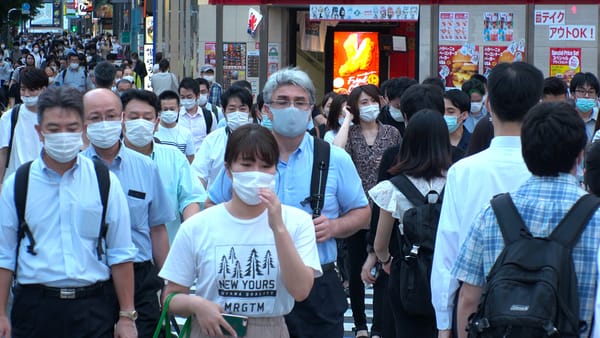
(278, 207)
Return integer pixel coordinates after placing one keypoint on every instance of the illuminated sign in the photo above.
(355, 60)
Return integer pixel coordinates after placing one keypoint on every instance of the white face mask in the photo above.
(36, 50)
(202, 100)
(30, 101)
(104, 134)
(476, 107)
(62, 147)
(88, 58)
(51, 79)
(369, 113)
(209, 78)
(74, 66)
(396, 114)
(290, 121)
(246, 185)
(139, 132)
(237, 119)
(169, 116)
(188, 103)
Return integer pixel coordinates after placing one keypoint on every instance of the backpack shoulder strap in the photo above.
(14, 115)
(207, 119)
(510, 221)
(215, 111)
(409, 190)
(572, 225)
(318, 179)
(102, 175)
(20, 192)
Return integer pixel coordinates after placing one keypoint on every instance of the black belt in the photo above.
(142, 265)
(328, 267)
(65, 293)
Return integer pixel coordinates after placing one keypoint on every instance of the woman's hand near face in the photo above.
(270, 199)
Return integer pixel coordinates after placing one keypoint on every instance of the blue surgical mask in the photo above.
(585, 105)
(452, 122)
(290, 121)
(266, 122)
(396, 114)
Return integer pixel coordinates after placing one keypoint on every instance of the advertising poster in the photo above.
(572, 33)
(498, 26)
(454, 26)
(456, 63)
(493, 55)
(565, 62)
(349, 12)
(253, 70)
(149, 63)
(210, 53)
(355, 60)
(273, 58)
(234, 63)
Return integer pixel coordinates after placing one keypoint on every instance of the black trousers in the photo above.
(36, 314)
(383, 318)
(357, 253)
(321, 315)
(147, 285)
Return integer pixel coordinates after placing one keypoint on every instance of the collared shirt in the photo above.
(77, 79)
(470, 184)
(5, 70)
(64, 214)
(177, 136)
(209, 160)
(472, 120)
(196, 124)
(146, 196)
(215, 94)
(343, 191)
(590, 124)
(182, 189)
(26, 141)
(542, 203)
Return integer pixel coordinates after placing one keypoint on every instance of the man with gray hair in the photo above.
(104, 74)
(289, 96)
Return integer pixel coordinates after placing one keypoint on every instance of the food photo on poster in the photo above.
(355, 60)
(456, 63)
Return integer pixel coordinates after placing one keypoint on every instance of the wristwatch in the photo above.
(132, 314)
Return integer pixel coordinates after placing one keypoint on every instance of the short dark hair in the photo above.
(141, 95)
(397, 86)
(62, 97)
(552, 136)
(33, 78)
(243, 84)
(190, 84)
(581, 79)
(482, 136)
(435, 81)
(368, 89)
(326, 97)
(202, 81)
(479, 77)
(513, 89)
(459, 99)
(163, 65)
(425, 151)
(554, 86)
(239, 92)
(252, 142)
(473, 86)
(168, 95)
(420, 97)
(335, 110)
(104, 73)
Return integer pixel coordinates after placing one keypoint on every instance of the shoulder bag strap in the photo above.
(103, 177)
(14, 115)
(318, 180)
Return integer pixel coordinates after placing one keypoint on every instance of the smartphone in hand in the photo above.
(237, 322)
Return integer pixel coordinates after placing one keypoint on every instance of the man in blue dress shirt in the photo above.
(289, 98)
(147, 199)
(63, 286)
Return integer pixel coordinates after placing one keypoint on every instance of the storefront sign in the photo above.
(549, 17)
(454, 26)
(498, 26)
(149, 63)
(493, 55)
(234, 63)
(572, 33)
(565, 62)
(210, 53)
(351, 12)
(355, 60)
(273, 58)
(456, 63)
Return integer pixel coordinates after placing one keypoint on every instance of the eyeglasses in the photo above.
(582, 92)
(278, 104)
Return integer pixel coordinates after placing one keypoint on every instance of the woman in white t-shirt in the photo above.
(425, 156)
(249, 256)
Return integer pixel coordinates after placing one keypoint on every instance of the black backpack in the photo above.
(20, 195)
(419, 225)
(531, 291)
